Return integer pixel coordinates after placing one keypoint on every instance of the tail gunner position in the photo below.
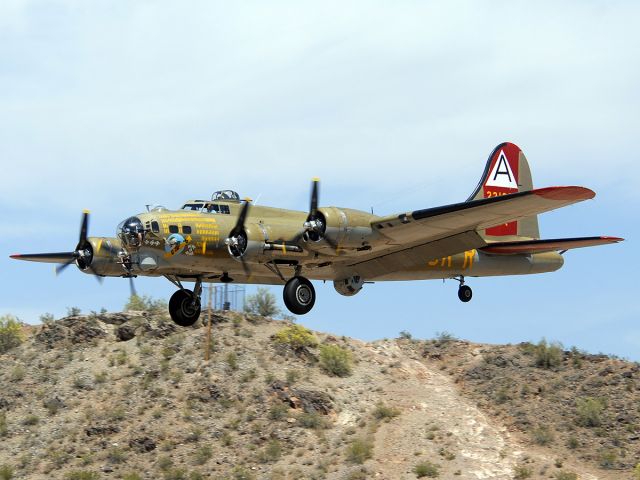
(494, 232)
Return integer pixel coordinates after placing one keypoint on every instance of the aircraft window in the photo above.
(224, 209)
(192, 206)
(186, 229)
(155, 228)
(173, 229)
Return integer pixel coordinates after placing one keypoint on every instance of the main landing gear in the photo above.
(299, 295)
(464, 291)
(184, 305)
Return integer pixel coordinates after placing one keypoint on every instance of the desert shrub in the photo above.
(521, 472)
(4, 429)
(636, 472)
(312, 420)
(232, 360)
(548, 355)
(445, 337)
(278, 411)
(241, 473)
(132, 476)
(295, 337)
(335, 360)
(263, 303)
(73, 311)
(164, 463)
(18, 373)
(271, 453)
(116, 455)
(82, 475)
(404, 335)
(203, 454)
(382, 412)
(292, 376)
(10, 333)
(145, 303)
(542, 435)
(589, 411)
(6, 472)
(565, 476)
(426, 469)
(573, 443)
(360, 450)
(30, 420)
(175, 474)
(608, 458)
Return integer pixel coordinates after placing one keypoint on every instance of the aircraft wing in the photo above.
(440, 222)
(421, 235)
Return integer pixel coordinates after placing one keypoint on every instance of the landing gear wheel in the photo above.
(299, 295)
(184, 308)
(465, 293)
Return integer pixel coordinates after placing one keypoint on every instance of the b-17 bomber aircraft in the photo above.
(225, 239)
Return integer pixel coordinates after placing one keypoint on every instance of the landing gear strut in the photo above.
(464, 291)
(299, 295)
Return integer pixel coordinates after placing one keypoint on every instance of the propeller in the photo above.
(82, 255)
(314, 226)
(237, 240)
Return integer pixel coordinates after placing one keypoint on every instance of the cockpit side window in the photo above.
(155, 228)
(213, 208)
(173, 229)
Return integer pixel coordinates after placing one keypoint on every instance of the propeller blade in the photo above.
(245, 267)
(95, 274)
(62, 257)
(132, 287)
(84, 227)
(239, 227)
(315, 186)
(60, 268)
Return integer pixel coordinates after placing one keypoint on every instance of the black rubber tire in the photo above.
(182, 310)
(299, 295)
(465, 293)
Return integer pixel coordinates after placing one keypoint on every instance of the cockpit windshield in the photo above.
(196, 207)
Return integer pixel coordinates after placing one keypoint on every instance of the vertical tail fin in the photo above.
(507, 171)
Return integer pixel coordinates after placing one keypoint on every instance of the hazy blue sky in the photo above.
(395, 105)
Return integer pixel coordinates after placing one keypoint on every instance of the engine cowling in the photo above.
(349, 286)
(343, 227)
(249, 245)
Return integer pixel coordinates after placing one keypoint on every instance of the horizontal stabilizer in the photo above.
(551, 245)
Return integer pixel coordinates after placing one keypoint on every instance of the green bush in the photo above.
(263, 303)
(6, 472)
(295, 337)
(589, 411)
(426, 469)
(271, 452)
(521, 472)
(203, 454)
(312, 420)
(548, 355)
(335, 360)
(542, 435)
(10, 333)
(565, 476)
(145, 303)
(382, 412)
(360, 450)
(636, 472)
(82, 475)
(4, 429)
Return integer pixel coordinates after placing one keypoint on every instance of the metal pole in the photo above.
(206, 355)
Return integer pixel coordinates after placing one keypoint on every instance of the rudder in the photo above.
(507, 171)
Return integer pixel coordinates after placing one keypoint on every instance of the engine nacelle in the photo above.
(349, 286)
(344, 227)
(250, 244)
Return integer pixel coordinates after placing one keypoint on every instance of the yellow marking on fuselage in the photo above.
(469, 255)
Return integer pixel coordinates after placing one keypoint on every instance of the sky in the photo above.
(111, 106)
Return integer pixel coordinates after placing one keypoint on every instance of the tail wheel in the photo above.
(465, 293)
(184, 308)
(299, 295)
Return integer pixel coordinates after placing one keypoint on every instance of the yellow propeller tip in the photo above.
(315, 179)
(248, 199)
(86, 211)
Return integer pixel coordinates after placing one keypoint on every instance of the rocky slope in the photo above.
(129, 395)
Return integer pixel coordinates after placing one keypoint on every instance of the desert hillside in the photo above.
(131, 396)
